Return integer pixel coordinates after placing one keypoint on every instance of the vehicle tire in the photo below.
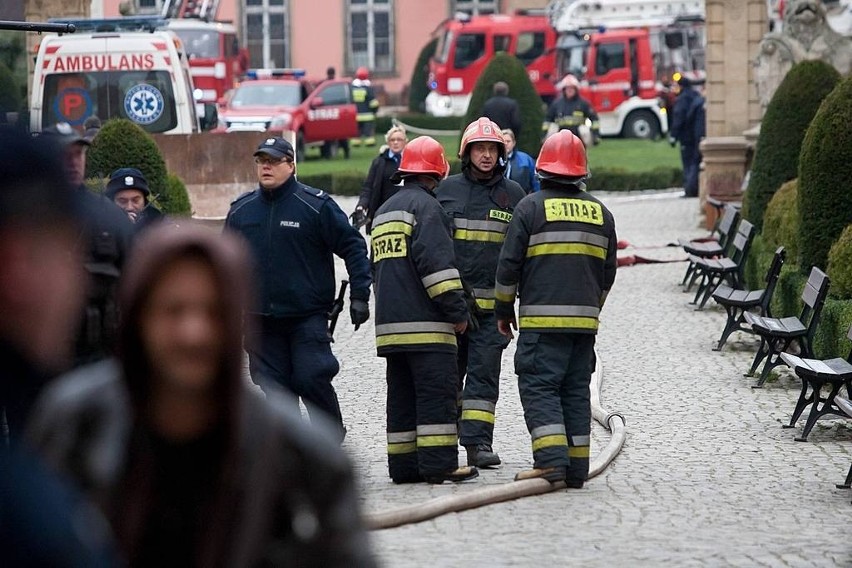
(300, 147)
(641, 124)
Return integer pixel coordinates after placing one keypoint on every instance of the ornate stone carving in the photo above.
(806, 36)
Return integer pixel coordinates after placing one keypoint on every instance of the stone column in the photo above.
(734, 29)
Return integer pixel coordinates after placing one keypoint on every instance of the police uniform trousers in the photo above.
(295, 353)
(480, 355)
(554, 371)
(690, 157)
(421, 411)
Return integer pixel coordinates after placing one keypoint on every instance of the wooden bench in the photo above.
(737, 301)
(714, 271)
(815, 374)
(777, 335)
(708, 248)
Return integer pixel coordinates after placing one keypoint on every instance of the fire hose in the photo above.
(612, 421)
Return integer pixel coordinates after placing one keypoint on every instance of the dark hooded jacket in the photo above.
(273, 490)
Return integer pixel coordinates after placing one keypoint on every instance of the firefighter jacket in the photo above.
(480, 212)
(294, 232)
(560, 254)
(572, 113)
(365, 100)
(419, 294)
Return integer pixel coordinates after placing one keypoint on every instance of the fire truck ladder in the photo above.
(196, 9)
(570, 15)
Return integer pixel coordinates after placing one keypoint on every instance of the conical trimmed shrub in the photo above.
(508, 68)
(787, 117)
(418, 89)
(124, 144)
(825, 171)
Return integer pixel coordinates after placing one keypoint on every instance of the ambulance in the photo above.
(141, 76)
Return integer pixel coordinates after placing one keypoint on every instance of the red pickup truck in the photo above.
(278, 101)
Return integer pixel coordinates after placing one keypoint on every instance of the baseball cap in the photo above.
(126, 178)
(64, 134)
(277, 148)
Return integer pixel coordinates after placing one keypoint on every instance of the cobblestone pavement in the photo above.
(707, 476)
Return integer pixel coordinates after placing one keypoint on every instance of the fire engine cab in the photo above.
(467, 44)
(143, 77)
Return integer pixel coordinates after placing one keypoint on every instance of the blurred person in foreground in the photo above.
(106, 232)
(190, 463)
(43, 521)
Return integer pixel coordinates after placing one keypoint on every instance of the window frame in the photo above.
(475, 7)
(371, 8)
(265, 8)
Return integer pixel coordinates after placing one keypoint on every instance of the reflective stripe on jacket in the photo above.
(480, 213)
(560, 254)
(419, 293)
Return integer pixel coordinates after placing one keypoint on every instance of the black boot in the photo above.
(458, 474)
(481, 455)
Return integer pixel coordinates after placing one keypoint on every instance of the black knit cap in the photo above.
(126, 178)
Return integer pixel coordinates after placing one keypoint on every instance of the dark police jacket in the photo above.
(419, 294)
(378, 186)
(560, 253)
(294, 230)
(480, 213)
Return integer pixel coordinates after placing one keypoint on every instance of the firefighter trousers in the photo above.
(295, 353)
(480, 355)
(554, 371)
(421, 411)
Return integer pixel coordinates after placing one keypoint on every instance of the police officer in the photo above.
(560, 253)
(480, 201)
(294, 231)
(420, 306)
(367, 106)
(107, 233)
(128, 189)
(570, 111)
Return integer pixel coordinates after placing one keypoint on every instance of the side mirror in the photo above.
(316, 102)
(210, 120)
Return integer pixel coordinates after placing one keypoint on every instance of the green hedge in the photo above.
(349, 182)
(825, 168)
(383, 123)
(840, 265)
(176, 199)
(791, 109)
(781, 220)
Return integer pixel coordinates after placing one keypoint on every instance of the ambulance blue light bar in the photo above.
(134, 24)
(288, 72)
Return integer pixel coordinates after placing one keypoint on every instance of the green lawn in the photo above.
(631, 155)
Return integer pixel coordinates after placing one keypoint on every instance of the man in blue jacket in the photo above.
(295, 231)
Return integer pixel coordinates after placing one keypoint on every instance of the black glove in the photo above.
(473, 310)
(358, 217)
(359, 311)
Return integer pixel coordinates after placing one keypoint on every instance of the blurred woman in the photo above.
(378, 186)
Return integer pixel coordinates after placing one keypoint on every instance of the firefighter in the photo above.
(420, 306)
(367, 106)
(570, 112)
(480, 201)
(560, 254)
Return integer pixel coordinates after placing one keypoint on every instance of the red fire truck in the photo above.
(467, 44)
(216, 61)
(624, 52)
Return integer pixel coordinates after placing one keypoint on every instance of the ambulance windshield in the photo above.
(144, 97)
